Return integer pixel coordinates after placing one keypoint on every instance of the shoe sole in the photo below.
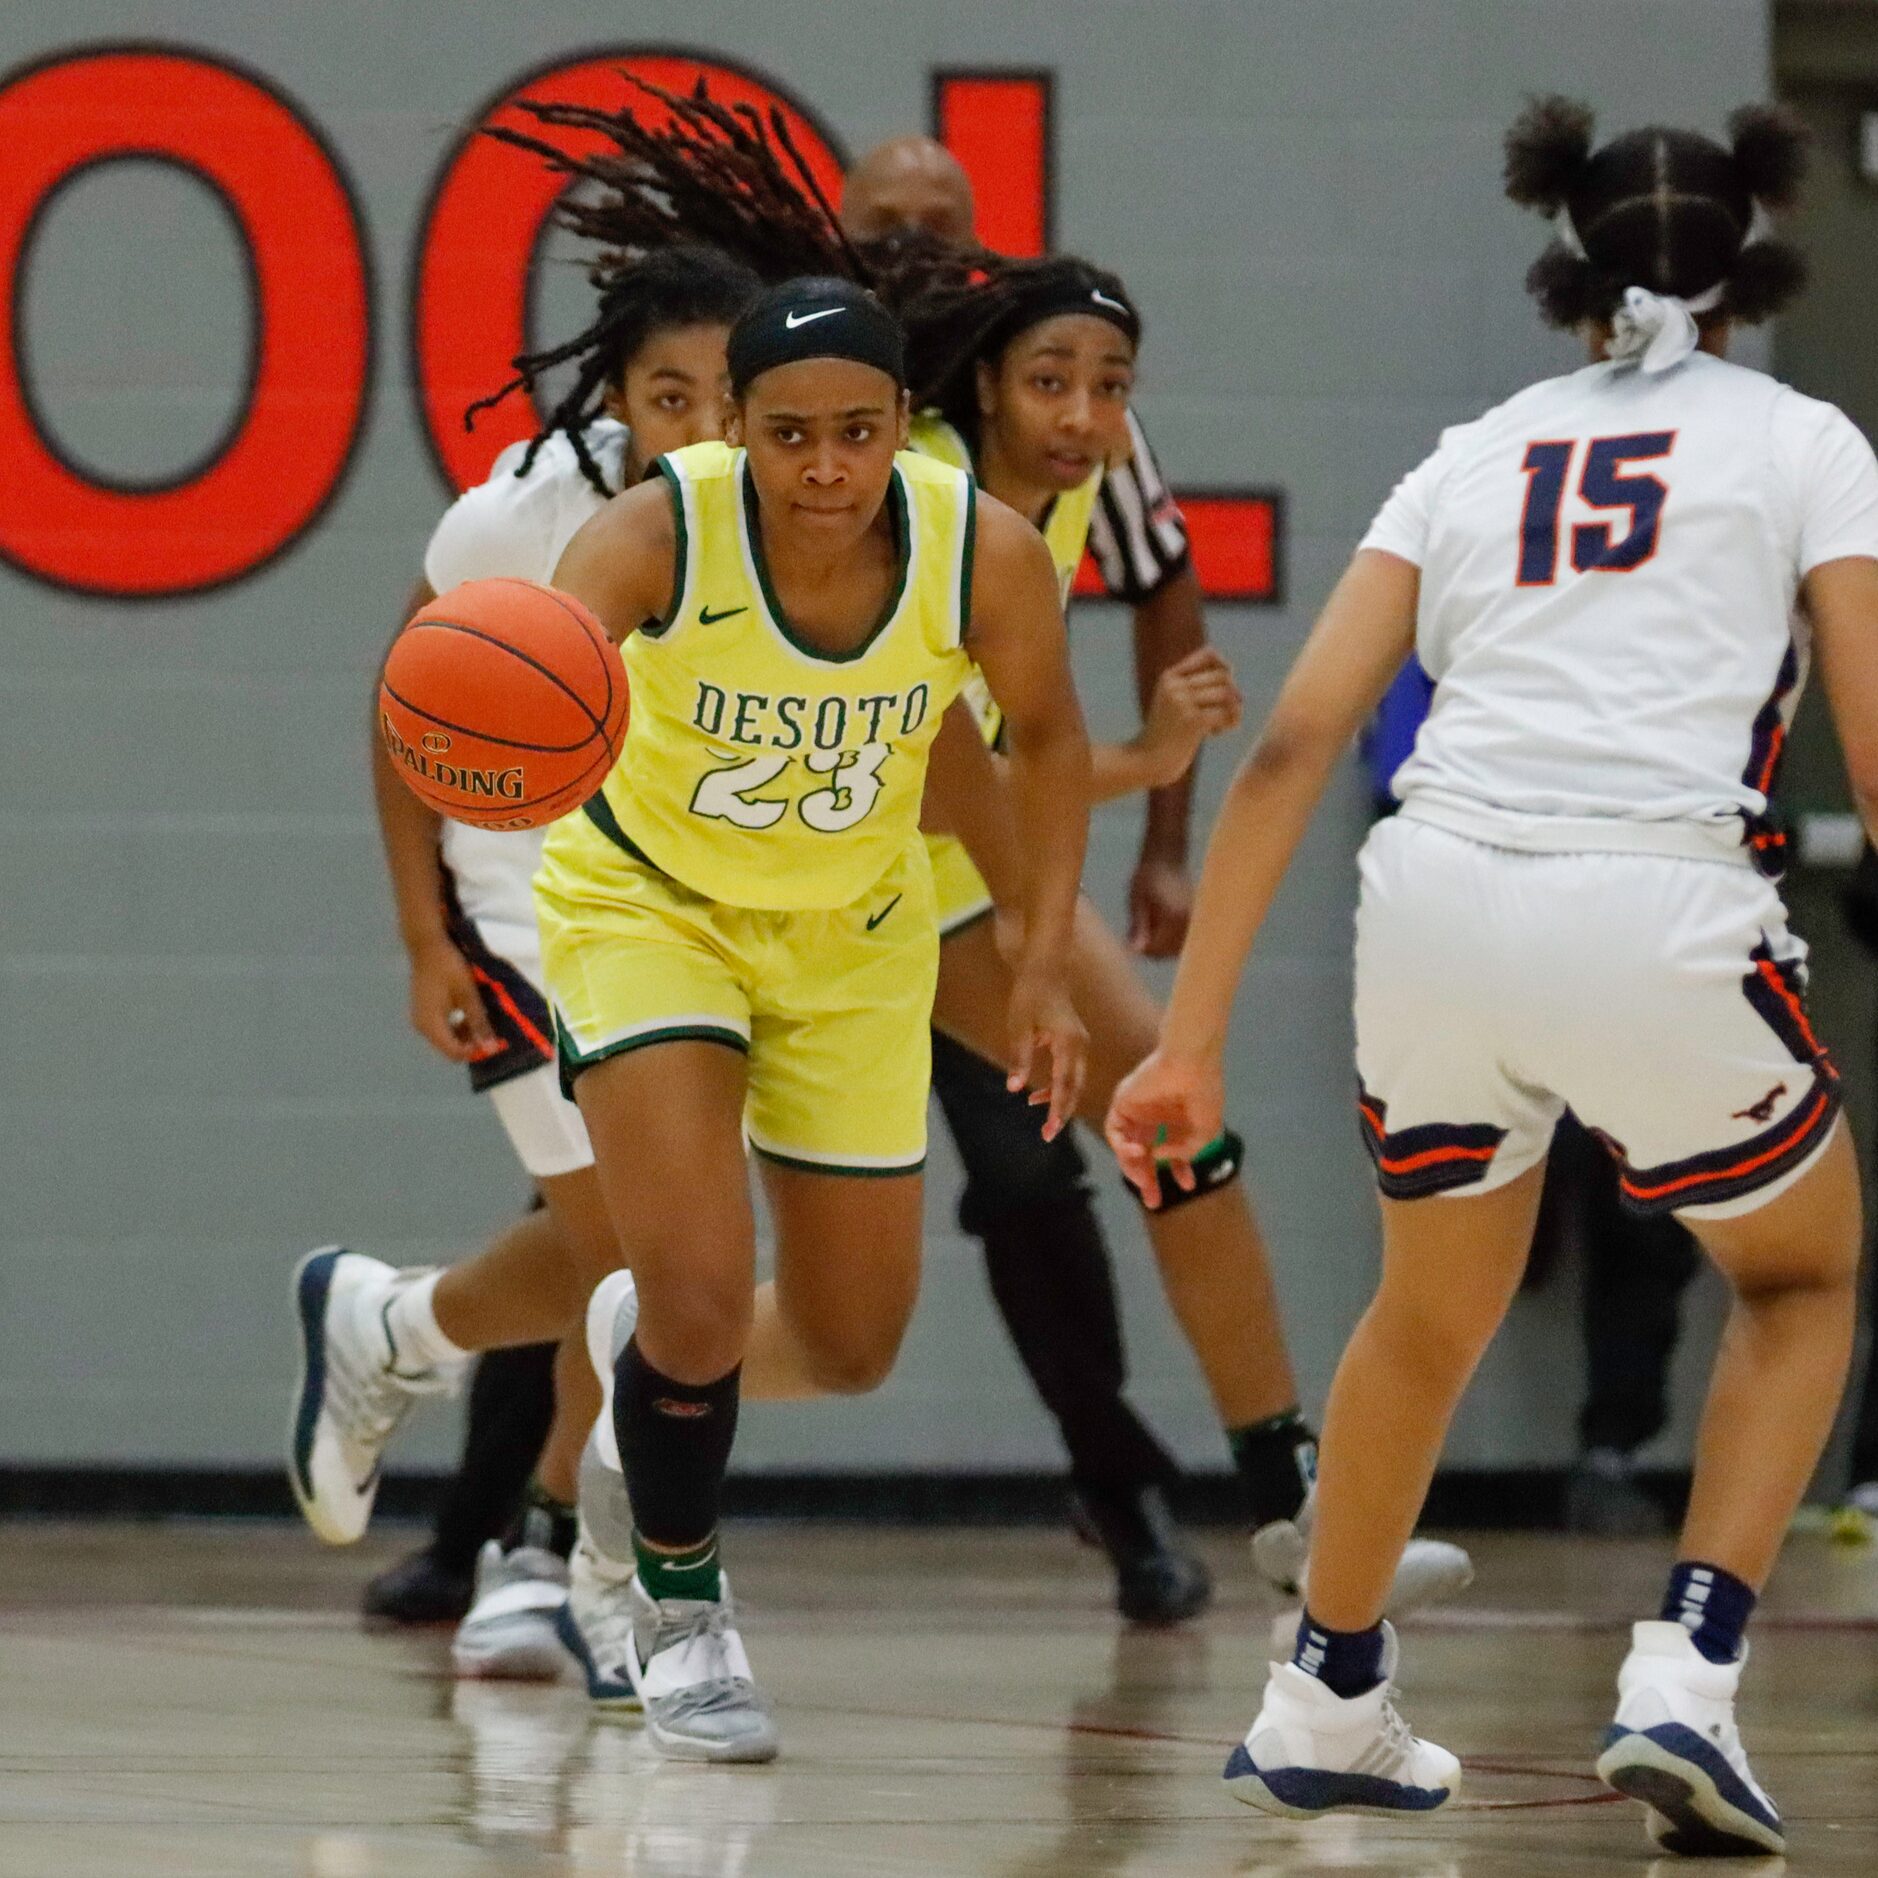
(1253, 1790)
(1671, 1777)
(311, 1288)
(728, 1753)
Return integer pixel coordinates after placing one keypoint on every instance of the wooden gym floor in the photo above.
(199, 1700)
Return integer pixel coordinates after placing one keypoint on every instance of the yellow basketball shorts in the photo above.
(962, 894)
(832, 1008)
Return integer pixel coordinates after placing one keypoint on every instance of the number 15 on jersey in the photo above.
(1605, 481)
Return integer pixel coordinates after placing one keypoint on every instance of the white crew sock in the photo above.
(411, 1317)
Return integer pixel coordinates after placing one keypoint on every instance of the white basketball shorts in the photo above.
(1659, 999)
(521, 1076)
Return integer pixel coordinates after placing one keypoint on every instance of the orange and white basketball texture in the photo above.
(503, 704)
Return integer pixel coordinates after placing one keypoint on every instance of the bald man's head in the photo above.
(908, 182)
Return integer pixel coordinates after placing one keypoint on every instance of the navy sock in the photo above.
(1712, 1605)
(1347, 1662)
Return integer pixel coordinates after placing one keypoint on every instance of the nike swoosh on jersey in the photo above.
(793, 320)
(707, 618)
(884, 911)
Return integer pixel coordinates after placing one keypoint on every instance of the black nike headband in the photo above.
(1078, 288)
(815, 318)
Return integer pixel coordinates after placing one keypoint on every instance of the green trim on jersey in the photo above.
(966, 551)
(681, 552)
(903, 550)
(599, 811)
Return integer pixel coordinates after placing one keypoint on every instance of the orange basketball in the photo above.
(503, 704)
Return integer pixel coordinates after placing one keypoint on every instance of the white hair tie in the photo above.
(1656, 331)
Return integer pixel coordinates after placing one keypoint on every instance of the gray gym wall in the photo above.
(204, 1061)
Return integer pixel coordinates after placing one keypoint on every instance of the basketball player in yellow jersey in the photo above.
(739, 934)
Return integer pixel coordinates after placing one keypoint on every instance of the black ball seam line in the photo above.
(428, 619)
(581, 619)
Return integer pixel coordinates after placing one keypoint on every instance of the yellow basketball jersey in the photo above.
(1065, 533)
(757, 770)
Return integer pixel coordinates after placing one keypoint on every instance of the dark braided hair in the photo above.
(718, 174)
(1670, 210)
(733, 178)
(965, 309)
(675, 287)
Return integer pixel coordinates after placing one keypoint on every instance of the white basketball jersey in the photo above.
(1609, 564)
(514, 525)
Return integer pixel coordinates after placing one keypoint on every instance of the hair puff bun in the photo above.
(1770, 149)
(1547, 149)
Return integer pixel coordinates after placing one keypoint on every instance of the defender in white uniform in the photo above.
(1609, 564)
(1615, 580)
(516, 523)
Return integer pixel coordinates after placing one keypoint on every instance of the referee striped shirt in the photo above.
(1137, 534)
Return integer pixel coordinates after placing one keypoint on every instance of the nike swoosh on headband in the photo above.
(793, 320)
(1101, 299)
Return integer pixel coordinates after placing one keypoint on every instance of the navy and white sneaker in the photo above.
(1313, 1751)
(511, 1633)
(354, 1387)
(1675, 1747)
(596, 1626)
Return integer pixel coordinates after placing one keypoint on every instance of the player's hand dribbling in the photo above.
(1164, 1112)
(447, 1004)
(1043, 1024)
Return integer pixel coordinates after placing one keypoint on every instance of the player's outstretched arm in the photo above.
(1016, 634)
(447, 1008)
(1841, 599)
(622, 563)
(1172, 1105)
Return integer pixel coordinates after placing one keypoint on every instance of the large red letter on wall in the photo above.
(486, 217)
(1001, 127)
(290, 444)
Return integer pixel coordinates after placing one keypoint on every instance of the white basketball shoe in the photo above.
(355, 1387)
(1675, 1747)
(1313, 1751)
(512, 1632)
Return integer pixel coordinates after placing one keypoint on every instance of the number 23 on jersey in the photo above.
(817, 731)
(1606, 481)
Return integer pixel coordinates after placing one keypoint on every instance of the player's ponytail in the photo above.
(1659, 228)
